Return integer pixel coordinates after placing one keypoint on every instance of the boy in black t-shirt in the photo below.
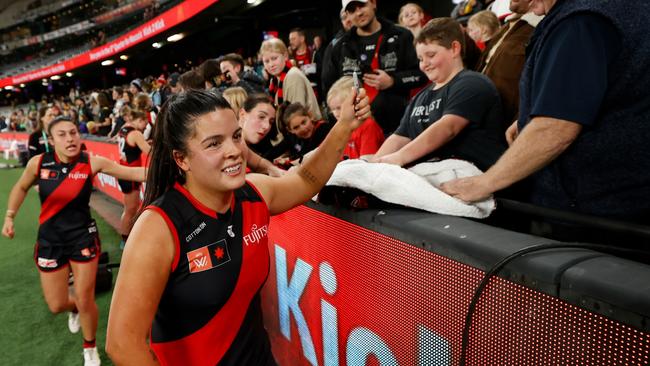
(458, 117)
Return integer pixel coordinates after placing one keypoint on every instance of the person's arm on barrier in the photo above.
(286, 192)
(434, 137)
(100, 164)
(139, 287)
(543, 140)
(18, 193)
(392, 144)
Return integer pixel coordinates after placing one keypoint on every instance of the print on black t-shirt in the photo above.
(469, 95)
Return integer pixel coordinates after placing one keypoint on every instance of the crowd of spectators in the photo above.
(430, 100)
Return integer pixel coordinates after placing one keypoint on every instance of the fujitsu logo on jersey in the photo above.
(77, 175)
(256, 234)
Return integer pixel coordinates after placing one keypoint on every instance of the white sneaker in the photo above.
(73, 322)
(91, 357)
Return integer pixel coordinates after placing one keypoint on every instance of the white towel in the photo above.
(414, 187)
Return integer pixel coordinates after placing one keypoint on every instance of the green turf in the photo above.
(29, 333)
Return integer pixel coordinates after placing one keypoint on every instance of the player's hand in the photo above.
(356, 108)
(8, 228)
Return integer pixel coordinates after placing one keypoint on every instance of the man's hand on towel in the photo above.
(394, 158)
(471, 189)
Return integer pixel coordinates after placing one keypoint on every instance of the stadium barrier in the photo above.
(393, 287)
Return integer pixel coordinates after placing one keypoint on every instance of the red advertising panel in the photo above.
(340, 294)
(161, 23)
(103, 182)
(7, 139)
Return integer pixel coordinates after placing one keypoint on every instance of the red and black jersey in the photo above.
(64, 190)
(210, 312)
(302, 59)
(129, 154)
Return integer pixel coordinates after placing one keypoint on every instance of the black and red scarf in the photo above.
(275, 86)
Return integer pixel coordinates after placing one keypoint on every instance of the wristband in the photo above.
(10, 214)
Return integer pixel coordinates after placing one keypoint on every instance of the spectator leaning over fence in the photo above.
(384, 54)
(459, 116)
(583, 130)
(259, 128)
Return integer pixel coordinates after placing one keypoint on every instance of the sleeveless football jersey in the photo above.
(210, 311)
(64, 190)
(129, 154)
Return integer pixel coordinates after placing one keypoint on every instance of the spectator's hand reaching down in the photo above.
(394, 158)
(470, 189)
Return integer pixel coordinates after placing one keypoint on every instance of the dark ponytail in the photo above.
(173, 128)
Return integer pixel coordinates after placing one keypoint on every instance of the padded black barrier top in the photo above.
(614, 287)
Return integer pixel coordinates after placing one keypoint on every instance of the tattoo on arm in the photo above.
(308, 175)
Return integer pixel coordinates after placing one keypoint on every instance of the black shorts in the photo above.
(127, 186)
(50, 257)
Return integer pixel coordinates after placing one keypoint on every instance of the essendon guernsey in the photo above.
(129, 154)
(64, 190)
(210, 312)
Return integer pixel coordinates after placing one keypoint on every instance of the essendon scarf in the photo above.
(275, 87)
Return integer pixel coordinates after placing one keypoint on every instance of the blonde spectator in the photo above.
(482, 26)
(287, 82)
(411, 16)
(236, 96)
(368, 137)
